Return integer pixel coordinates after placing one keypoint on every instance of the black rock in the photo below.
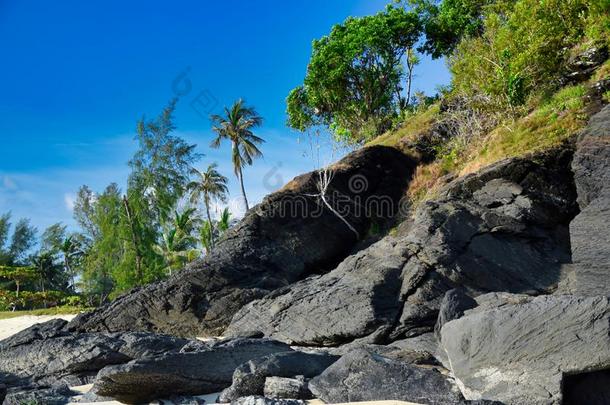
(47, 353)
(58, 395)
(277, 243)
(287, 388)
(192, 373)
(454, 303)
(504, 228)
(590, 239)
(364, 376)
(258, 400)
(581, 66)
(249, 378)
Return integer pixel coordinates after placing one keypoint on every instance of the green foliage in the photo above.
(236, 126)
(353, 81)
(11, 300)
(445, 24)
(14, 248)
(211, 186)
(521, 50)
(161, 165)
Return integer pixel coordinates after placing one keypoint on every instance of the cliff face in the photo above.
(289, 236)
(515, 258)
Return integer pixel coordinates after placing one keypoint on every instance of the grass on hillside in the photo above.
(414, 125)
(549, 123)
(64, 310)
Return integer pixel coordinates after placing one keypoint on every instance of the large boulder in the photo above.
(58, 395)
(454, 304)
(364, 376)
(290, 235)
(47, 353)
(190, 373)
(522, 353)
(249, 378)
(504, 228)
(590, 273)
(287, 388)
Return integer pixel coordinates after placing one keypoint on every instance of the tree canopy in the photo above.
(355, 77)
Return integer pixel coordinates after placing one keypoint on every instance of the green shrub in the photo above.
(522, 49)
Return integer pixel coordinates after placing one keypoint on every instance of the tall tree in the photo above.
(161, 165)
(14, 248)
(106, 249)
(355, 76)
(70, 249)
(177, 245)
(236, 126)
(209, 185)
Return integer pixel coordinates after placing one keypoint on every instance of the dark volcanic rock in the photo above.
(288, 236)
(454, 303)
(580, 67)
(59, 395)
(46, 353)
(363, 376)
(590, 239)
(521, 353)
(249, 378)
(192, 373)
(39, 331)
(290, 388)
(504, 228)
(258, 400)
(356, 299)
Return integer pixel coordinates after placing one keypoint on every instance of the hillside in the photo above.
(460, 255)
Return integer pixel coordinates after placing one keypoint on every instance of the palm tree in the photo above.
(236, 126)
(177, 240)
(70, 249)
(212, 186)
(224, 221)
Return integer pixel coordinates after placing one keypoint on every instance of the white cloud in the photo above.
(69, 200)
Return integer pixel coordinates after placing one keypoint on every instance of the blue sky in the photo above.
(77, 75)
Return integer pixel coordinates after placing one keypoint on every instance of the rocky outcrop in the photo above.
(47, 353)
(364, 376)
(277, 243)
(521, 353)
(259, 400)
(454, 303)
(581, 66)
(191, 373)
(504, 228)
(590, 239)
(287, 388)
(58, 395)
(249, 378)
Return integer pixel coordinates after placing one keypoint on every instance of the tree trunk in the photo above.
(69, 270)
(207, 209)
(134, 239)
(243, 190)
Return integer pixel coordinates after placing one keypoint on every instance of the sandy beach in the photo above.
(11, 326)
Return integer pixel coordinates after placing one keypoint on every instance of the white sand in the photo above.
(11, 326)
